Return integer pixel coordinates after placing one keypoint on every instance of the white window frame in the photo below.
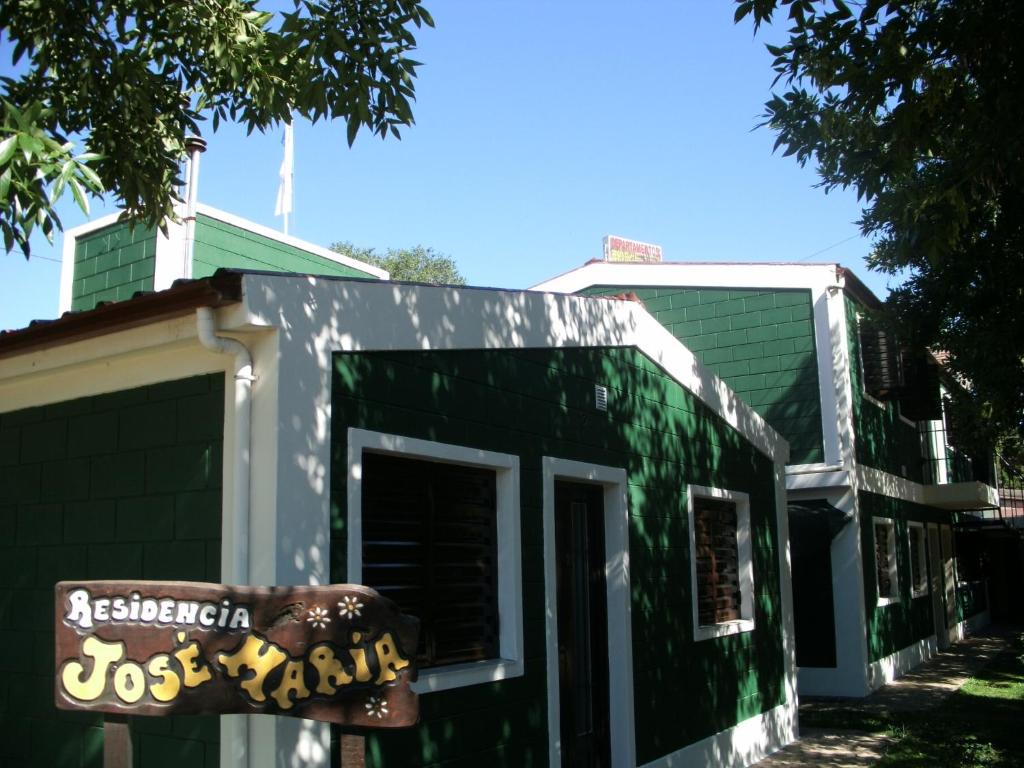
(922, 559)
(894, 572)
(745, 557)
(614, 482)
(510, 599)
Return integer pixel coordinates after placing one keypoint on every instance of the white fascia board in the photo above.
(119, 360)
(884, 484)
(273, 234)
(953, 496)
(963, 495)
(693, 274)
(818, 480)
(329, 315)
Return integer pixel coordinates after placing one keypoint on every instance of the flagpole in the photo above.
(286, 172)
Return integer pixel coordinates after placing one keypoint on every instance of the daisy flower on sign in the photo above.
(350, 607)
(377, 707)
(318, 617)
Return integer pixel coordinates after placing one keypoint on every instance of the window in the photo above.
(435, 527)
(430, 544)
(918, 560)
(885, 561)
(721, 567)
(881, 375)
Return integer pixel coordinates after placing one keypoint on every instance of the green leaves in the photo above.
(133, 78)
(35, 169)
(916, 106)
(417, 264)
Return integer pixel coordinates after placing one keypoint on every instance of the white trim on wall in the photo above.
(828, 394)
(745, 562)
(620, 638)
(842, 378)
(510, 596)
(387, 316)
(171, 254)
(744, 744)
(696, 274)
(786, 588)
(884, 484)
(897, 664)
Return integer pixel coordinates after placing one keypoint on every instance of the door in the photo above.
(582, 624)
(937, 589)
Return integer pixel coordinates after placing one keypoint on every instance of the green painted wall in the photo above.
(219, 244)
(883, 440)
(118, 486)
(111, 264)
(897, 625)
(761, 343)
(534, 403)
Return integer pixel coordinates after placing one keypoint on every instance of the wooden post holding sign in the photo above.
(340, 654)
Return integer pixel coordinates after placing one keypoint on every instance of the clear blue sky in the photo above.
(540, 128)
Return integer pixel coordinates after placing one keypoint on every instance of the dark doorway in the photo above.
(582, 624)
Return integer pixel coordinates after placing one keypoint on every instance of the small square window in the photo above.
(918, 559)
(721, 565)
(886, 574)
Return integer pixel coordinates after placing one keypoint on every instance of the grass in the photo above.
(980, 726)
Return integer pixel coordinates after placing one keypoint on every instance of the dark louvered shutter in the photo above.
(718, 583)
(880, 360)
(920, 398)
(430, 544)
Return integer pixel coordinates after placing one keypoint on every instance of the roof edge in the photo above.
(222, 288)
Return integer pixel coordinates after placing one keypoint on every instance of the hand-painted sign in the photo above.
(340, 653)
(621, 249)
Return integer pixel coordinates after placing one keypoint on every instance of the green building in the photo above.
(590, 524)
(874, 485)
(108, 260)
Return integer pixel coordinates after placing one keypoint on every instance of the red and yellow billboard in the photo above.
(621, 249)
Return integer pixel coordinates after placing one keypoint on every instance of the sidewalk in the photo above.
(924, 688)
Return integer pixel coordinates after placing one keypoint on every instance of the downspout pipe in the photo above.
(206, 328)
(241, 468)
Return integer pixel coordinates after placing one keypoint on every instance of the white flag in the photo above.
(284, 191)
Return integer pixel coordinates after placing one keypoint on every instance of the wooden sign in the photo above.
(341, 653)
